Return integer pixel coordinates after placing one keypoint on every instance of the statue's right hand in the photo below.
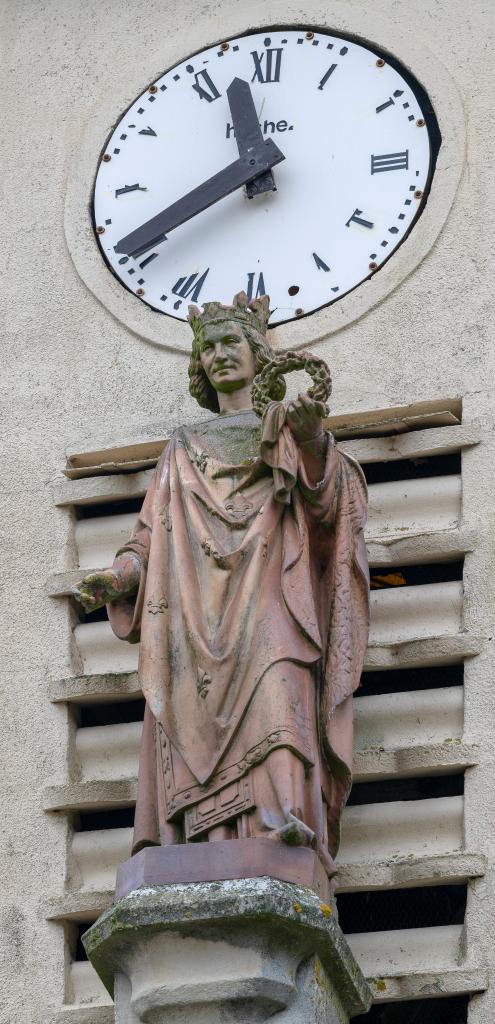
(100, 588)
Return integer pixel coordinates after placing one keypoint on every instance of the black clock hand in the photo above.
(247, 132)
(259, 158)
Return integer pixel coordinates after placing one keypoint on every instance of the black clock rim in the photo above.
(424, 102)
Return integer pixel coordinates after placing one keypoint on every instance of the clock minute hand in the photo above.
(247, 131)
(258, 159)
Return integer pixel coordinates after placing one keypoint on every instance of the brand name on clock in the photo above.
(267, 127)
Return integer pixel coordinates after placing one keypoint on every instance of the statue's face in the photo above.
(226, 356)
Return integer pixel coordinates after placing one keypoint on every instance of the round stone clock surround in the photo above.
(173, 334)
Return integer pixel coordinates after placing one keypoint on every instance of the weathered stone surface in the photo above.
(251, 642)
(238, 951)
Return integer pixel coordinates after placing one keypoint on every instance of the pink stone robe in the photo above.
(252, 614)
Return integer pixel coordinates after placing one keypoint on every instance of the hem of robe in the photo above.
(155, 826)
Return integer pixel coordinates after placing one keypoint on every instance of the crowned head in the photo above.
(229, 347)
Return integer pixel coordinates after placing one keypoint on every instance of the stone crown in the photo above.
(255, 313)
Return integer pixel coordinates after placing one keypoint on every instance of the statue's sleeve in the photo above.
(335, 511)
(125, 615)
(321, 498)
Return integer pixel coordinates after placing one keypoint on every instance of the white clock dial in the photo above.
(357, 166)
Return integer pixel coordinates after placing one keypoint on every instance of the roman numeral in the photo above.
(189, 286)
(260, 287)
(356, 218)
(267, 65)
(129, 188)
(326, 76)
(390, 162)
(205, 87)
(148, 259)
(320, 263)
(147, 131)
(390, 102)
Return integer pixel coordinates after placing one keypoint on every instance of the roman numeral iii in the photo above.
(390, 162)
(267, 65)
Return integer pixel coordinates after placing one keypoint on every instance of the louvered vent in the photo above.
(403, 865)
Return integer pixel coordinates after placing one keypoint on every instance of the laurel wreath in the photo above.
(265, 381)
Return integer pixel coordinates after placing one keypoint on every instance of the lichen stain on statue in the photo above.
(246, 582)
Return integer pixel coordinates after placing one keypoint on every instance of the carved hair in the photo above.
(203, 391)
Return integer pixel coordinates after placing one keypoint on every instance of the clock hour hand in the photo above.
(257, 160)
(247, 131)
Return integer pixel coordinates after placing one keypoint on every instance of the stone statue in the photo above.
(246, 582)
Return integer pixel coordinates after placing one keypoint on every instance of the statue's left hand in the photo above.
(304, 417)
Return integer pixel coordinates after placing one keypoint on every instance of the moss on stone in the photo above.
(290, 911)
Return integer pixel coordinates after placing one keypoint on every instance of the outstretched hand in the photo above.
(97, 589)
(304, 417)
(100, 588)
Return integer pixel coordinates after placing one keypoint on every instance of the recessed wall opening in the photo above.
(109, 508)
(405, 679)
(428, 787)
(450, 1010)
(79, 950)
(100, 615)
(416, 575)
(111, 714)
(393, 909)
(96, 821)
(412, 469)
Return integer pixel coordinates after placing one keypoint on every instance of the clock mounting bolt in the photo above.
(106, 158)
(225, 47)
(100, 230)
(380, 63)
(140, 291)
(310, 35)
(373, 265)
(299, 311)
(421, 122)
(418, 194)
(153, 88)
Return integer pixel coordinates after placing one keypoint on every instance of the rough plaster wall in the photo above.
(69, 370)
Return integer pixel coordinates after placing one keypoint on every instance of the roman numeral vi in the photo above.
(260, 287)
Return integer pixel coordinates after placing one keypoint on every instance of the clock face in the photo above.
(357, 164)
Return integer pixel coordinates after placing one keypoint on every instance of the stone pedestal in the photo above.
(235, 951)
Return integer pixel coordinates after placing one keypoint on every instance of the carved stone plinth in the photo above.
(238, 951)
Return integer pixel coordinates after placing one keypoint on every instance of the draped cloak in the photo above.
(246, 565)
